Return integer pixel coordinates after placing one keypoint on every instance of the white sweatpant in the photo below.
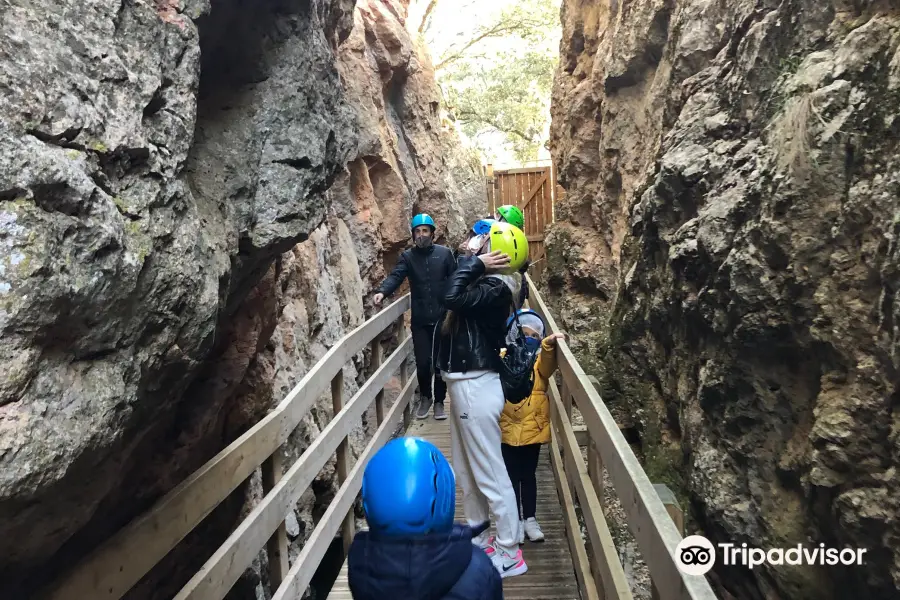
(476, 402)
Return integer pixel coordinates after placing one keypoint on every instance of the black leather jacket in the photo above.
(481, 305)
(429, 271)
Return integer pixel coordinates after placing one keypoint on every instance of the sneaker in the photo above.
(521, 532)
(533, 530)
(439, 413)
(489, 549)
(508, 565)
(423, 408)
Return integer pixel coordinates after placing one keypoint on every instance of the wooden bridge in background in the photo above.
(574, 568)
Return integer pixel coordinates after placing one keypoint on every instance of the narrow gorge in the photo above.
(195, 201)
(727, 258)
(197, 198)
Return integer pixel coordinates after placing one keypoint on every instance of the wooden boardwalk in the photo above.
(551, 574)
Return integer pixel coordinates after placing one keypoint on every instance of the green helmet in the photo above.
(512, 215)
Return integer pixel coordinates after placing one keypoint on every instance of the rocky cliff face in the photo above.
(728, 258)
(193, 203)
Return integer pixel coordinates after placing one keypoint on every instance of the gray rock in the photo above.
(739, 166)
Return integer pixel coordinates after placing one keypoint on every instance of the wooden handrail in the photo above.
(224, 568)
(653, 529)
(314, 549)
(573, 529)
(117, 565)
(611, 576)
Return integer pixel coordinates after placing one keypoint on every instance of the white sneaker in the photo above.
(508, 565)
(533, 530)
(521, 532)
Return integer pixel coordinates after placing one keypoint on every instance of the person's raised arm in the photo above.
(392, 281)
(546, 362)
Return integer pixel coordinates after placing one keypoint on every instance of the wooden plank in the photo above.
(573, 528)
(116, 566)
(377, 356)
(648, 519)
(551, 574)
(612, 575)
(520, 170)
(342, 458)
(566, 400)
(534, 190)
(316, 546)
(402, 335)
(595, 469)
(277, 546)
(667, 497)
(216, 577)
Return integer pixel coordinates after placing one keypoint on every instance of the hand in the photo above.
(495, 261)
(551, 339)
(377, 298)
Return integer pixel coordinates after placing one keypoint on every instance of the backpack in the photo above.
(517, 367)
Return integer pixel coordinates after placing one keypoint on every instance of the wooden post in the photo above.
(404, 367)
(671, 503)
(566, 399)
(595, 473)
(343, 456)
(595, 469)
(277, 546)
(373, 366)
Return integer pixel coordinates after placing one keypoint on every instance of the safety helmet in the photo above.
(422, 219)
(510, 240)
(512, 215)
(482, 226)
(526, 317)
(522, 312)
(409, 488)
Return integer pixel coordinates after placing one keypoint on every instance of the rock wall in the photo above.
(193, 205)
(727, 257)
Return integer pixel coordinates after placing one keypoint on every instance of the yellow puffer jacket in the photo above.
(528, 422)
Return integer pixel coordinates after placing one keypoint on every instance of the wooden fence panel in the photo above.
(534, 191)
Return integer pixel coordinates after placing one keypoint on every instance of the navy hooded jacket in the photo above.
(442, 566)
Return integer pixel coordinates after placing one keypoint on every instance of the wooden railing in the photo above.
(120, 563)
(114, 568)
(652, 522)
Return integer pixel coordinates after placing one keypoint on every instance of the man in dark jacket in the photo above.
(428, 267)
(413, 550)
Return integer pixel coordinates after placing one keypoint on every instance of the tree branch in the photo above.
(425, 17)
(470, 116)
(499, 29)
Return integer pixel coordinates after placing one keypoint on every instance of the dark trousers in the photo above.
(422, 344)
(521, 464)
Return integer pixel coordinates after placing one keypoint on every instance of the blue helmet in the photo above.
(532, 320)
(482, 226)
(422, 219)
(522, 312)
(409, 488)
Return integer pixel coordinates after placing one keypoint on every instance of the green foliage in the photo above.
(509, 97)
(505, 92)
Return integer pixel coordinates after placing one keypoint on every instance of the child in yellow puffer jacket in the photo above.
(526, 425)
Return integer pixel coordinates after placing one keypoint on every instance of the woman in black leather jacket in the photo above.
(479, 300)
